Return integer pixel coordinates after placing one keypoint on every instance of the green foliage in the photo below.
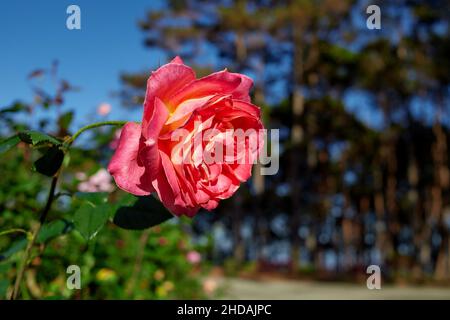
(110, 257)
(92, 213)
(65, 119)
(9, 143)
(50, 162)
(115, 263)
(36, 138)
(15, 107)
(49, 231)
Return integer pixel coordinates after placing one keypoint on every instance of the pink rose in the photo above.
(185, 149)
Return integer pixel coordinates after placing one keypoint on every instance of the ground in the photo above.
(235, 288)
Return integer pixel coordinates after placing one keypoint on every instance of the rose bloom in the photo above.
(178, 109)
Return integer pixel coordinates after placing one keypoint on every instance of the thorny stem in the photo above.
(138, 262)
(94, 125)
(15, 230)
(32, 241)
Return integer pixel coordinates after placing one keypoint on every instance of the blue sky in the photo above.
(34, 33)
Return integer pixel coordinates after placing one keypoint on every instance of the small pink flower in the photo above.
(104, 109)
(100, 182)
(86, 187)
(101, 177)
(81, 176)
(193, 257)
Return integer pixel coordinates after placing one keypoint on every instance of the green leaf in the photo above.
(54, 298)
(89, 219)
(65, 120)
(14, 230)
(53, 229)
(146, 212)
(37, 138)
(50, 162)
(9, 143)
(340, 54)
(48, 232)
(15, 107)
(92, 214)
(4, 283)
(16, 246)
(96, 198)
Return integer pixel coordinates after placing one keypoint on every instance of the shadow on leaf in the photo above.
(145, 213)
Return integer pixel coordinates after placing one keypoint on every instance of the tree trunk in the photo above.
(441, 182)
(296, 140)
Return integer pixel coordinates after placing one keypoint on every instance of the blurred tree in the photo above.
(368, 192)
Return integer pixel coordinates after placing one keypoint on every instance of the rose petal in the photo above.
(222, 82)
(128, 172)
(164, 83)
(242, 92)
(210, 205)
(178, 60)
(247, 107)
(166, 185)
(183, 112)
